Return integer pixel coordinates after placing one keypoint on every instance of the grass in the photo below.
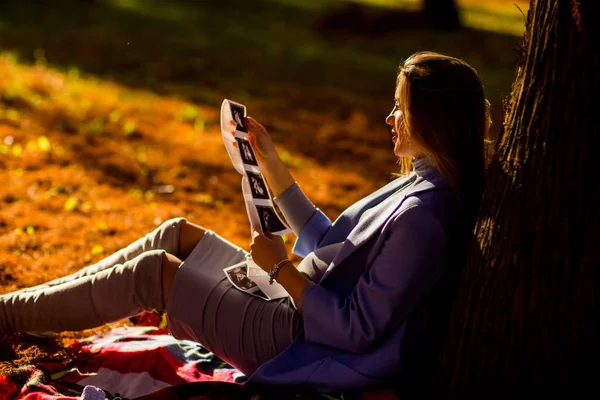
(109, 116)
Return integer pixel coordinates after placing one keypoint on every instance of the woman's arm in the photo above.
(273, 169)
(308, 223)
(408, 265)
(294, 282)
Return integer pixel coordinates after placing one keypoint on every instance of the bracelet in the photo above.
(275, 270)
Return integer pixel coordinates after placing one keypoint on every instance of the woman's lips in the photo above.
(394, 136)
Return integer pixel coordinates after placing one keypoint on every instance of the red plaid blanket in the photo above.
(144, 362)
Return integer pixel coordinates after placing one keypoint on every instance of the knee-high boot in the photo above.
(88, 301)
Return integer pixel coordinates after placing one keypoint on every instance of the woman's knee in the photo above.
(170, 265)
(189, 235)
(165, 236)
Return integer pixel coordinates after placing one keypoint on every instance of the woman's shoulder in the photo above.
(438, 202)
(430, 196)
(398, 181)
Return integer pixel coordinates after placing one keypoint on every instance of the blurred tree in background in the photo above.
(441, 14)
(358, 17)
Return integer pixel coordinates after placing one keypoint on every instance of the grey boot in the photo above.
(165, 237)
(89, 301)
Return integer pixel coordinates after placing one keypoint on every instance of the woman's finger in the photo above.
(253, 125)
(252, 140)
(233, 126)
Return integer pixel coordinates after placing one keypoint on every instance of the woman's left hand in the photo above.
(267, 250)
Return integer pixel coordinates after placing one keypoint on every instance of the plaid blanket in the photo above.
(145, 363)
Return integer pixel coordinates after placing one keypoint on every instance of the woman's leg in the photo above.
(239, 328)
(177, 237)
(189, 236)
(92, 300)
(170, 267)
(171, 236)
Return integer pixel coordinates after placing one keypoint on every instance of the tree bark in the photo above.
(441, 14)
(525, 316)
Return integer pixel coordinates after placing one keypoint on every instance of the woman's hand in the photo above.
(273, 169)
(267, 250)
(261, 142)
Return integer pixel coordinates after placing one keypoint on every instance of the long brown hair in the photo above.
(447, 114)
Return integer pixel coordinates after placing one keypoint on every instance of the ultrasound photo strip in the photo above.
(238, 276)
(254, 187)
(256, 196)
(238, 113)
(257, 186)
(250, 205)
(269, 220)
(246, 152)
(261, 212)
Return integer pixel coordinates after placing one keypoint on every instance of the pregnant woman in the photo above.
(362, 297)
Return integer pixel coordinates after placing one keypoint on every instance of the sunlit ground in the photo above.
(109, 117)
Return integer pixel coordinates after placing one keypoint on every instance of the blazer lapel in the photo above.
(344, 224)
(372, 224)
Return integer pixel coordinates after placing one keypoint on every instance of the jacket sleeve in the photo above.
(409, 263)
(308, 222)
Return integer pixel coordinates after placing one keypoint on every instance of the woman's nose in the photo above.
(390, 118)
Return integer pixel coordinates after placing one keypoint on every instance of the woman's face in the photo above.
(404, 146)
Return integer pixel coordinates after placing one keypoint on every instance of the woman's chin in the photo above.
(400, 153)
(403, 154)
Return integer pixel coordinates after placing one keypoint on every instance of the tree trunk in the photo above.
(441, 14)
(525, 319)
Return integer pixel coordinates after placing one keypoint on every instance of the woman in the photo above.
(365, 285)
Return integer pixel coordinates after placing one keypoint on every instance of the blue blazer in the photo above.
(395, 248)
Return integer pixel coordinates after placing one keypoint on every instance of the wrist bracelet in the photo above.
(275, 270)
